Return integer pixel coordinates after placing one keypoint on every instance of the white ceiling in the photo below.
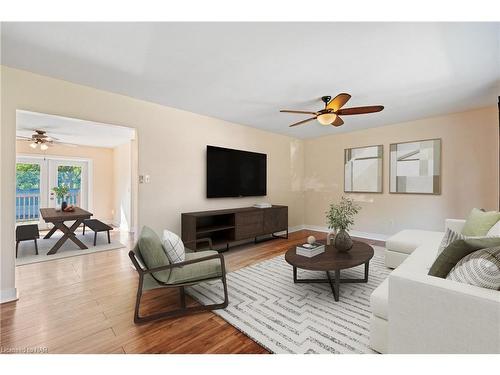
(73, 131)
(246, 72)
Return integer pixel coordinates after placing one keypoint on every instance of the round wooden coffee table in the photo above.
(332, 260)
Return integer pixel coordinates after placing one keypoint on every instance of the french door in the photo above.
(35, 179)
(31, 189)
(74, 175)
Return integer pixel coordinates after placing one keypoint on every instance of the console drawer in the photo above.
(248, 224)
(275, 220)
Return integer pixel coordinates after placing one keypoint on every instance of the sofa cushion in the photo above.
(379, 300)
(408, 240)
(479, 222)
(420, 260)
(456, 251)
(197, 271)
(480, 268)
(152, 253)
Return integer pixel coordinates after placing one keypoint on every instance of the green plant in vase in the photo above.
(61, 193)
(340, 217)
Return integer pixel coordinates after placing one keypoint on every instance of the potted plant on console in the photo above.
(340, 217)
(61, 194)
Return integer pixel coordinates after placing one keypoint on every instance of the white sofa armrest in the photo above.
(432, 315)
(455, 225)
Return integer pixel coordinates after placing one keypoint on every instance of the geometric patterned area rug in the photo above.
(266, 305)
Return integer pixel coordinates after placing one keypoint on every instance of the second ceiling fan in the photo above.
(330, 115)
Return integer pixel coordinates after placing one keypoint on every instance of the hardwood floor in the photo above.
(85, 304)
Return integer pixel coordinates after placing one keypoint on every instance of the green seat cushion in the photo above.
(454, 252)
(196, 271)
(478, 222)
(153, 254)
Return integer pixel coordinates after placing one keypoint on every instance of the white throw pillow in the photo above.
(174, 247)
(494, 230)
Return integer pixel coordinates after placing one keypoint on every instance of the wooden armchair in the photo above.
(198, 267)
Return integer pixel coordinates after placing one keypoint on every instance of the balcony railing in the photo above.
(28, 204)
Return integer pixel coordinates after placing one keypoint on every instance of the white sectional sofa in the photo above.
(413, 312)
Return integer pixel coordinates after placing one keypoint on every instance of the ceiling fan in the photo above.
(39, 138)
(330, 115)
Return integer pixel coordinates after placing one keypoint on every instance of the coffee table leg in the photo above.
(367, 264)
(335, 284)
(295, 275)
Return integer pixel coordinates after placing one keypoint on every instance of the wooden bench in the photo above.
(97, 226)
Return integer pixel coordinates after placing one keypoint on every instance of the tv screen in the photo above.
(235, 173)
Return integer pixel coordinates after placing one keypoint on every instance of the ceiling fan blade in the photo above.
(303, 121)
(360, 110)
(338, 121)
(20, 137)
(338, 102)
(293, 111)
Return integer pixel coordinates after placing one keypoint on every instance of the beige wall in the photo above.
(469, 173)
(102, 165)
(305, 175)
(122, 185)
(171, 149)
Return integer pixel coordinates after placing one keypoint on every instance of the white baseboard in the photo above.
(354, 233)
(8, 295)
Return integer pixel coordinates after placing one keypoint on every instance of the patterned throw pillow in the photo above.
(173, 247)
(480, 268)
(449, 236)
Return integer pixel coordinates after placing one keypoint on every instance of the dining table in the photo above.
(58, 219)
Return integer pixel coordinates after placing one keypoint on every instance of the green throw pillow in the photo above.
(455, 251)
(151, 250)
(478, 222)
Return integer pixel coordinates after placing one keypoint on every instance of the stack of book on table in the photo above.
(310, 250)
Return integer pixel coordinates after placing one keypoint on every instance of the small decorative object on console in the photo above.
(340, 217)
(263, 205)
(311, 240)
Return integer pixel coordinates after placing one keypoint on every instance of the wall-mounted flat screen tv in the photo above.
(235, 173)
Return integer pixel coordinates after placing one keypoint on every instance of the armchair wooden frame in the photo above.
(183, 310)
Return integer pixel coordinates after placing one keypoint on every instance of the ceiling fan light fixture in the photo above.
(327, 118)
(43, 147)
(33, 145)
